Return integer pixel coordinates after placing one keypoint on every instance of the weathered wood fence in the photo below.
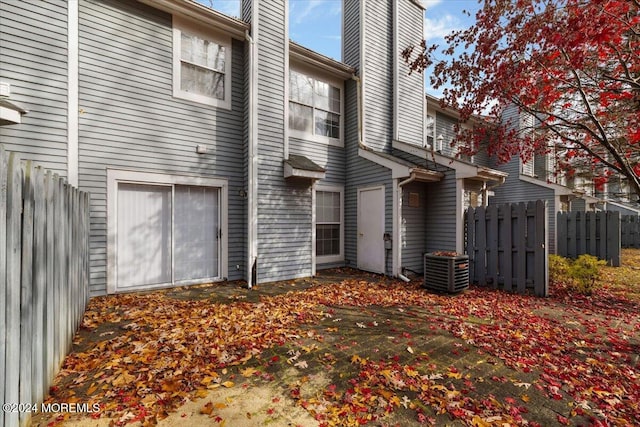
(44, 252)
(593, 233)
(507, 246)
(630, 231)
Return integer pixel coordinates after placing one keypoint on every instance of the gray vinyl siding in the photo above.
(515, 190)
(351, 33)
(330, 157)
(410, 86)
(414, 227)
(131, 121)
(578, 205)
(360, 173)
(378, 74)
(284, 207)
(441, 214)
(33, 52)
(445, 126)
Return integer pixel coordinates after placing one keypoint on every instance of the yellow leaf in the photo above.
(248, 372)
(456, 375)
(200, 393)
(525, 398)
(228, 384)
(219, 405)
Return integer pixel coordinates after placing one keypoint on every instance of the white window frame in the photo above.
(311, 136)
(180, 25)
(116, 176)
(332, 189)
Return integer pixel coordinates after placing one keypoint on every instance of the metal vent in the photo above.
(446, 273)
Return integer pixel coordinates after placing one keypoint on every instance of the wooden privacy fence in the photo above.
(44, 252)
(593, 233)
(630, 231)
(507, 246)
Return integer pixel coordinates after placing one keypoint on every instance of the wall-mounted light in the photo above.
(440, 140)
(201, 149)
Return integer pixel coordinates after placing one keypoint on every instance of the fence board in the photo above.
(506, 266)
(26, 288)
(593, 233)
(44, 278)
(39, 286)
(4, 169)
(507, 245)
(14, 237)
(541, 251)
(492, 244)
(630, 231)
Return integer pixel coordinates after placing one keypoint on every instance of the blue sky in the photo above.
(316, 24)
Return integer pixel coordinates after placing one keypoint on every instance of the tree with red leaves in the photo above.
(572, 65)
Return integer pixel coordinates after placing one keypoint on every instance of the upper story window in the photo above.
(431, 130)
(201, 65)
(315, 108)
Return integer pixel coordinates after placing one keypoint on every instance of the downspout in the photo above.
(252, 162)
(359, 108)
(411, 178)
(396, 75)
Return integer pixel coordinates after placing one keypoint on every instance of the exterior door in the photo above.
(167, 234)
(371, 229)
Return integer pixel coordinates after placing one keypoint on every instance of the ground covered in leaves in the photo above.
(348, 348)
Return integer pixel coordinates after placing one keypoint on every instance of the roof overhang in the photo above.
(198, 12)
(301, 54)
(400, 168)
(463, 169)
(10, 112)
(302, 167)
(560, 190)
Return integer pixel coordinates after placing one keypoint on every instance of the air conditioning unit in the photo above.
(446, 273)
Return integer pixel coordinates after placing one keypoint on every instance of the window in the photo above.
(315, 108)
(201, 65)
(329, 224)
(431, 130)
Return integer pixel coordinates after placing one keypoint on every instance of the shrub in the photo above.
(585, 272)
(558, 269)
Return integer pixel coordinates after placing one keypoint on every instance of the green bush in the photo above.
(585, 272)
(558, 269)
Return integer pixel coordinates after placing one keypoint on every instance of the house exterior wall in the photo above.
(33, 48)
(284, 207)
(410, 98)
(130, 120)
(377, 73)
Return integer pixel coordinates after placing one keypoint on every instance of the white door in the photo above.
(144, 235)
(371, 229)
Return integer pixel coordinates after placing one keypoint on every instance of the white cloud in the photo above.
(440, 27)
(431, 3)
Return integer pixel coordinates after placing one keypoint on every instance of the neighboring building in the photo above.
(214, 148)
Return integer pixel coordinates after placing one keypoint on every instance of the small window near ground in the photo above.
(329, 226)
(202, 65)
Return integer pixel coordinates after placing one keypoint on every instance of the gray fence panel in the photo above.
(593, 233)
(507, 246)
(630, 235)
(44, 278)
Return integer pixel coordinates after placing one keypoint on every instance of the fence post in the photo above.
(50, 282)
(590, 234)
